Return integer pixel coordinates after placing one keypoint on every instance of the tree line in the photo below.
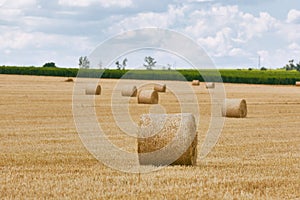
(292, 66)
(149, 63)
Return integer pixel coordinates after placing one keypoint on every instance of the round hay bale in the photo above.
(196, 82)
(167, 139)
(298, 83)
(234, 108)
(92, 90)
(160, 87)
(148, 97)
(129, 91)
(210, 85)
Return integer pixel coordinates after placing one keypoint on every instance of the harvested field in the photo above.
(42, 156)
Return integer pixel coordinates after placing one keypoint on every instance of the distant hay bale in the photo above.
(165, 139)
(160, 87)
(196, 82)
(129, 91)
(210, 85)
(92, 90)
(148, 97)
(234, 108)
(69, 80)
(298, 83)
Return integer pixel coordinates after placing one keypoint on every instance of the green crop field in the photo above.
(279, 77)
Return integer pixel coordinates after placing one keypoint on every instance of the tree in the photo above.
(169, 66)
(49, 64)
(84, 62)
(298, 67)
(287, 67)
(150, 62)
(124, 63)
(290, 66)
(118, 65)
(121, 66)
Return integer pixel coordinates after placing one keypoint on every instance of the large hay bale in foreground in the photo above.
(165, 139)
(196, 82)
(148, 97)
(210, 85)
(298, 83)
(92, 90)
(160, 87)
(234, 108)
(129, 91)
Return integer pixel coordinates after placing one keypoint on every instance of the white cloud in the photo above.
(2, 2)
(199, 1)
(225, 30)
(295, 49)
(218, 45)
(294, 46)
(148, 19)
(289, 32)
(102, 3)
(237, 52)
(274, 58)
(15, 39)
(116, 3)
(25, 48)
(251, 26)
(10, 14)
(18, 39)
(293, 16)
(75, 3)
(18, 4)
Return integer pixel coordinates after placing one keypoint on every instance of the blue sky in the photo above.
(234, 33)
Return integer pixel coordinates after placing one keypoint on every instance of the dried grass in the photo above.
(256, 159)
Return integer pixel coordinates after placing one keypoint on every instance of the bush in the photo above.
(49, 64)
(263, 69)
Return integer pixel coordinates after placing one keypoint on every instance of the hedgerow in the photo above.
(228, 76)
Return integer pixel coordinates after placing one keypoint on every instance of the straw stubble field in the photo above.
(41, 154)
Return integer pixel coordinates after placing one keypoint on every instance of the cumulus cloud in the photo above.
(218, 45)
(227, 31)
(35, 44)
(149, 19)
(237, 52)
(293, 16)
(276, 57)
(18, 4)
(294, 46)
(199, 1)
(103, 3)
